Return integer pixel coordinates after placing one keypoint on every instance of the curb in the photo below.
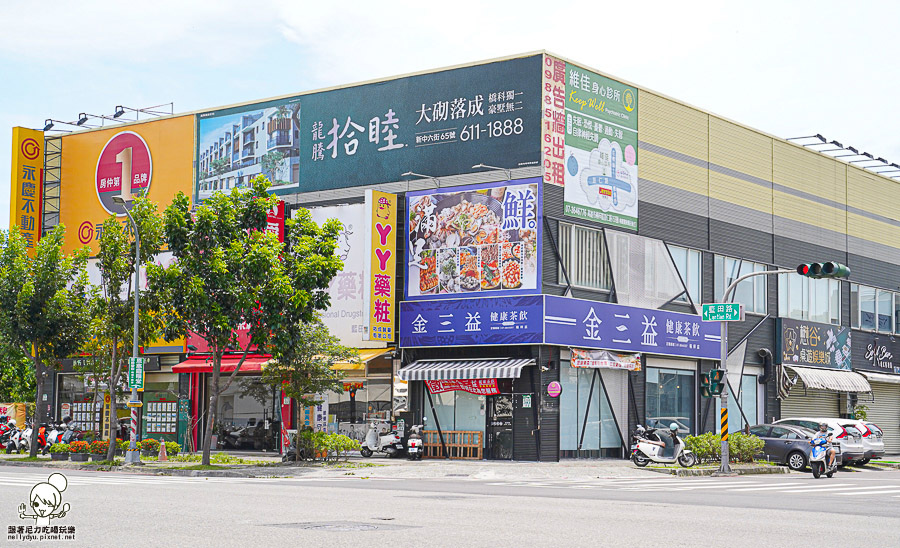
(253, 472)
(696, 472)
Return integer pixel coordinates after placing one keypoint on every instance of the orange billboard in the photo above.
(153, 158)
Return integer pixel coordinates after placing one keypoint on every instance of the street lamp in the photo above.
(132, 456)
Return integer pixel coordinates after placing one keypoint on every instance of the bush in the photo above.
(708, 447)
(172, 448)
(79, 446)
(744, 447)
(60, 448)
(122, 445)
(327, 446)
(99, 447)
(150, 444)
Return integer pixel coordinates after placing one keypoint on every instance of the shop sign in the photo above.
(136, 373)
(601, 144)
(814, 344)
(554, 389)
(526, 401)
(380, 266)
(275, 221)
(26, 189)
(876, 352)
(603, 359)
(471, 322)
(592, 324)
(13, 411)
(481, 387)
(475, 241)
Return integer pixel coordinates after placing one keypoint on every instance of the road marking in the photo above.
(894, 490)
(768, 487)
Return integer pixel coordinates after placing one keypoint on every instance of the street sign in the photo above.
(136, 373)
(723, 312)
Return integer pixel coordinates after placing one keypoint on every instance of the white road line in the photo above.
(768, 487)
(871, 492)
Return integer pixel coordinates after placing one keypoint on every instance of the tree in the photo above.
(228, 272)
(270, 163)
(112, 325)
(303, 354)
(16, 375)
(44, 303)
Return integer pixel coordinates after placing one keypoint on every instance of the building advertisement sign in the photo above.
(591, 324)
(438, 124)
(603, 359)
(481, 387)
(155, 158)
(26, 187)
(876, 352)
(380, 262)
(275, 221)
(470, 322)
(814, 344)
(481, 239)
(553, 120)
(344, 316)
(601, 142)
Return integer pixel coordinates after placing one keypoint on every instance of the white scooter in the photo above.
(20, 440)
(644, 451)
(381, 438)
(415, 444)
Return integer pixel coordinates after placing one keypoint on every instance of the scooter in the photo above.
(381, 438)
(643, 452)
(20, 440)
(54, 435)
(415, 443)
(818, 458)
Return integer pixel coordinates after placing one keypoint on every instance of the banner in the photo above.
(481, 387)
(603, 359)
(474, 240)
(815, 344)
(380, 266)
(553, 120)
(26, 189)
(275, 221)
(601, 147)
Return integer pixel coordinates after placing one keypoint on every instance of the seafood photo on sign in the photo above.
(448, 271)
(468, 269)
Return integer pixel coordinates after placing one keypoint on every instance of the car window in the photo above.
(852, 430)
(761, 431)
(779, 432)
(795, 422)
(794, 436)
(812, 425)
(874, 429)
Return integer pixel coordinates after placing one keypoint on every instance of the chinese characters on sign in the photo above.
(553, 119)
(815, 344)
(27, 177)
(481, 387)
(481, 238)
(381, 222)
(125, 168)
(602, 359)
(275, 221)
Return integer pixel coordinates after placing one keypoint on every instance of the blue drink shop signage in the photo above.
(477, 240)
(546, 319)
(437, 124)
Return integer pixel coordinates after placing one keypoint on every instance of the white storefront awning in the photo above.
(838, 380)
(438, 370)
(880, 377)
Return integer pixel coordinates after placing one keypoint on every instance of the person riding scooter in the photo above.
(823, 433)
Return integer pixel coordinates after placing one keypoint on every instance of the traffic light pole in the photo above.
(725, 467)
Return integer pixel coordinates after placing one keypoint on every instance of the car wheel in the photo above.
(796, 461)
(863, 462)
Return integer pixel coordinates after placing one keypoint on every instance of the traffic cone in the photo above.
(162, 451)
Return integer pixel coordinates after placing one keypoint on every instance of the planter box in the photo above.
(79, 457)
(59, 456)
(98, 457)
(149, 453)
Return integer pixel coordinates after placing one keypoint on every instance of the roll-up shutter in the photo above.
(804, 402)
(616, 383)
(885, 412)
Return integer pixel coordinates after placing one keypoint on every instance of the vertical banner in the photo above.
(601, 173)
(553, 119)
(275, 221)
(27, 176)
(380, 267)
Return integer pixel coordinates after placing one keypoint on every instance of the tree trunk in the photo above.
(113, 419)
(213, 404)
(39, 393)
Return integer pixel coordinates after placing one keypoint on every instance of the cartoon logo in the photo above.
(628, 100)
(383, 211)
(46, 501)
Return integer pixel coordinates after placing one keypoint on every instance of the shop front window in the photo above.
(670, 399)
(585, 416)
(456, 411)
(247, 413)
(160, 411)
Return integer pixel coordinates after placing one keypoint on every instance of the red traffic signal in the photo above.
(823, 270)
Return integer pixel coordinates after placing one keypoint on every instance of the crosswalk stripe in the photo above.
(770, 487)
(870, 492)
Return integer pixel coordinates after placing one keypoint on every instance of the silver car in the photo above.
(872, 438)
(850, 439)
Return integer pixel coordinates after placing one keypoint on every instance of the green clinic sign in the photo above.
(723, 312)
(136, 373)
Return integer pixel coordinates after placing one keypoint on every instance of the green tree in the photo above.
(44, 303)
(303, 354)
(228, 272)
(16, 375)
(270, 163)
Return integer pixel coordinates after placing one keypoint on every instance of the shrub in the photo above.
(708, 447)
(60, 448)
(99, 447)
(150, 444)
(123, 444)
(327, 446)
(172, 448)
(79, 446)
(744, 447)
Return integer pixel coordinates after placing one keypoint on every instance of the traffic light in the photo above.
(716, 381)
(705, 389)
(823, 270)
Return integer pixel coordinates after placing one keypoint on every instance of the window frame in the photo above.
(569, 253)
(788, 283)
(685, 276)
(720, 267)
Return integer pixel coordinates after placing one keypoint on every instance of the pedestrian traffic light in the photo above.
(823, 270)
(705, 390)
(716, 381)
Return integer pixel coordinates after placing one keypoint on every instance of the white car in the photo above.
(850, 440)
(872, 438)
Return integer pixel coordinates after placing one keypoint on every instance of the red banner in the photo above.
(482, 387)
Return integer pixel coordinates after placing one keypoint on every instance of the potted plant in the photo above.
(172, 448)
(149, 447)
(79, 450)
(59, 451)
(99, 449)
(121, 447)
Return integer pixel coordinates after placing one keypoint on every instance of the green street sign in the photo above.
(136, 373)
(723, 312)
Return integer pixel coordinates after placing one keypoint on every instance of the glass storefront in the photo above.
(585, 415)
(458, 411)
(370, 398)
(749, 402)
(160, 411)
(248, 417)
(670, 398)
(78, 397)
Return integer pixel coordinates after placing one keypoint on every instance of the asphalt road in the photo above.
(117, 509)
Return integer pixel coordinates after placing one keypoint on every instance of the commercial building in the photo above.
(557, 230)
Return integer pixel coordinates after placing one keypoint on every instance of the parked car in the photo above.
(872, 438)
(851, 445)
(786, 444)
(665, 422)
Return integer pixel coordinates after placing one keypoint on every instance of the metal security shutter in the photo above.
(616, 383)
(810, 403)
(885, 412)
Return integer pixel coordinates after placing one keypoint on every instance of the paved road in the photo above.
(852, 508)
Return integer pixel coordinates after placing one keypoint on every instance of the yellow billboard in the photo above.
(380, 265)
(27, 176)
(154, 158)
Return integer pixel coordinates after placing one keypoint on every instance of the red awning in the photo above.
(203, 364)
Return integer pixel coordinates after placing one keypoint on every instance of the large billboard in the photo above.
(153, 158)
(479, 240)
(26, 187)
(435, 124)
(381, 266)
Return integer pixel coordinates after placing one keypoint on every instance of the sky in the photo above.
(786, 68)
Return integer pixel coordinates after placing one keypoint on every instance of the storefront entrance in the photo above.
(500, 427)
(247, 415)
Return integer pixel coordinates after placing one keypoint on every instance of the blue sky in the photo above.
(785, 68)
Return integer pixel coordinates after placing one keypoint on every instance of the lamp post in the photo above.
(132, 456)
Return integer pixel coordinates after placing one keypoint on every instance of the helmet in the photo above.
(823, 427)
(673, 427)
(12, 422)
